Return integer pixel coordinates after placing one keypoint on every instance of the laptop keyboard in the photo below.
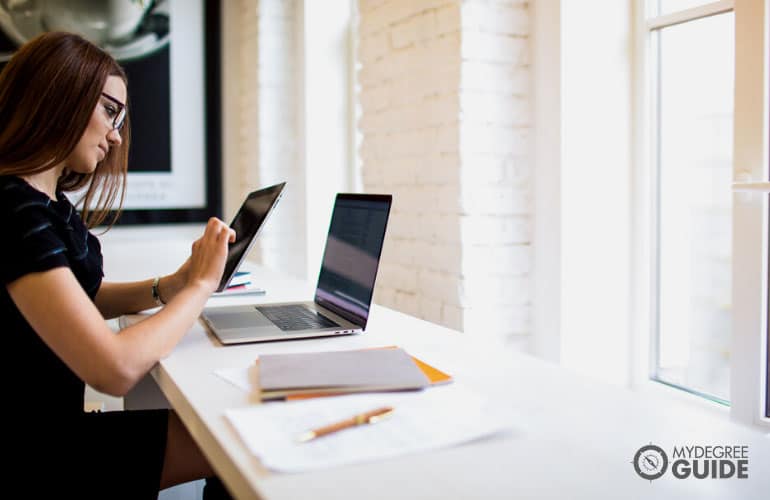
(295, 317)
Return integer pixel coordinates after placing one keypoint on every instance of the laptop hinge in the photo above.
(352, 317)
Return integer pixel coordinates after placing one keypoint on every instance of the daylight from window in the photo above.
(694, 64)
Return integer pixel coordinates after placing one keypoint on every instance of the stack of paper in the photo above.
(338, 372)
(421, 421)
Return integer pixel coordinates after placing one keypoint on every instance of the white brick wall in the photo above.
(446, 121)
(282, 243)
(266, 112)
(246, 104)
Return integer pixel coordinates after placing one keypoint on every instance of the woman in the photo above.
(64, 126)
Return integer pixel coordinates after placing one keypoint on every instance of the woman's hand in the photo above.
(209, 253)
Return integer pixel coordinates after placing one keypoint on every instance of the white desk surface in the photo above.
(571, 438)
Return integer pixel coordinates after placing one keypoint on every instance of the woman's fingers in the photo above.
(228, 234)
(210, 252)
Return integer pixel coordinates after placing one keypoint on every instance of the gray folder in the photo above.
(367, 370)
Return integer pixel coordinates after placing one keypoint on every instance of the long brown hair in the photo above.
(48, 92)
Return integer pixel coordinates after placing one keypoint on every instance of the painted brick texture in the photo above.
(446, 128)
(269, 125)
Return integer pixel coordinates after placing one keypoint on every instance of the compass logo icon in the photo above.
(650, 462)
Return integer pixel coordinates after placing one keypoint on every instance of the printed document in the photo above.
(443, 416)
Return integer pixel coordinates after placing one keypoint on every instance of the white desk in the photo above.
(572, 438)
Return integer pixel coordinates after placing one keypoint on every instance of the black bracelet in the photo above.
(156, 292)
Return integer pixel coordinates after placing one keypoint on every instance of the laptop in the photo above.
(247, 223)
(345, 286)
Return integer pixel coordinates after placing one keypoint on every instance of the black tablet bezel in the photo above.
(276, 191)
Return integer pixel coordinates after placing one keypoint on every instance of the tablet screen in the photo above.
(247, 223)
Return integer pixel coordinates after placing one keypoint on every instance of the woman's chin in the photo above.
(85, 169)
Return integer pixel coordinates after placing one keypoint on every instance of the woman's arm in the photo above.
(115, 299)
(71, 325)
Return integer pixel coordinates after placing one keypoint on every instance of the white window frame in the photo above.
(649, 203)
(750, 215)
(750, 212)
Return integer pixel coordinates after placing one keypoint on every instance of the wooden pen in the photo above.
(369, 417)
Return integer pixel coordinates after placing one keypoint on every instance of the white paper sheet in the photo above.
(241, 377)
(424, 420)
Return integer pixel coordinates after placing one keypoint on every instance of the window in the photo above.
(692, 65)
(707, 125)
(697, 270)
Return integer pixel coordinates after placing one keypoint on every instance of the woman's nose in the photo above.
(114, 138)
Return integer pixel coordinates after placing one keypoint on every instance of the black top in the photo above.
(58, 450)
(40, 234)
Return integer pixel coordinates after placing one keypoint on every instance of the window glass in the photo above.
(695, 74)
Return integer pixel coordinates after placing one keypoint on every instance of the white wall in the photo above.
(596, 188)
(495, 174)
(287, 118)
(584, 82)
(326, 118)
(409, 76)
(445, 98)
(261, 122)
(444, 92)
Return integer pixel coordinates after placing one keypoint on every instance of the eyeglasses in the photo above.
(118, 115)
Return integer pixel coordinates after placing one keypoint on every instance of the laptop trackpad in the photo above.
(248, 318)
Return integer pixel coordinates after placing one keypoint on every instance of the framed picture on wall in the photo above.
(170, 52)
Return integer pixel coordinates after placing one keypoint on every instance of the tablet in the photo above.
(247, 224)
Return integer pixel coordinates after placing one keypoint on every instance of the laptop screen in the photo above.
(352, 254)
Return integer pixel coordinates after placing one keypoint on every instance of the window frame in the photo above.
(750, 244)
(750, 360)
(654, 25)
